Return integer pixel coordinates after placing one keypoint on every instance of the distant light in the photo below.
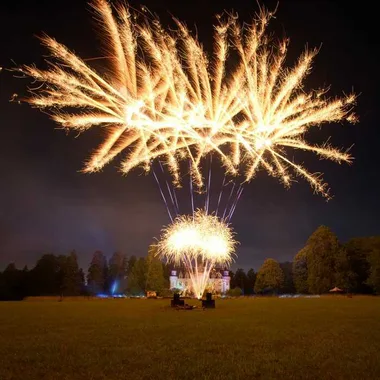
(114, 287)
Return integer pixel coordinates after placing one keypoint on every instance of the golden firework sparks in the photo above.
(165, 98)
(199, 242)
(279, 112)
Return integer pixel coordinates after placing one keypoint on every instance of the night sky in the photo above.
(46, 205)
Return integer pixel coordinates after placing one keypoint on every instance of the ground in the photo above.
(262, 338)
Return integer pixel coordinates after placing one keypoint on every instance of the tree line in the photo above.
(322, 264)
(60, 275)
(325, 263)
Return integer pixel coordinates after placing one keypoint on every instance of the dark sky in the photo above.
(46, 205)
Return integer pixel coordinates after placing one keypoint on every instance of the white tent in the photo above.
(336, 290)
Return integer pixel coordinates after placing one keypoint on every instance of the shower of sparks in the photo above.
(200, 235)
(165, 98)
(199, 242)
(278, 111)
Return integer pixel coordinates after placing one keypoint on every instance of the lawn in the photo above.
(263, 338)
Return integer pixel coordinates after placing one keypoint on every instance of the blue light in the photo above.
(114, 287)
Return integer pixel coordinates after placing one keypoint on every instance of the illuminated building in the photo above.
(219, 282)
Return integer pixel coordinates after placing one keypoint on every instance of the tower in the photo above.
(173, 279)
(226, 281)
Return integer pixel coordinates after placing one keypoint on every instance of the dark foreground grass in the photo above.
(327, 338)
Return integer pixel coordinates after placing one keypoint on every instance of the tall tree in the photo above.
(240, 280)
(97, 273)
(11, 284)
(300, 271)
(131, 263)
(71, 283)
(358, 252)
(288, 285)
(137, 278)
(374, 272)
(270, 277)
(325, 261)
(251, 279)
(117, 272)
(232, 279)
(155, 275)
(46, 276)
(344, 276)
(167, 269)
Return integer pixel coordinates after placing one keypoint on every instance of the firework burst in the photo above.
(164, 98)
(278, 111)
(199, 242)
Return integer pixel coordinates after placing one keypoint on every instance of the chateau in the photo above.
(219, 282)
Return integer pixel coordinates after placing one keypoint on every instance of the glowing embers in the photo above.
(199, 235)
(198, 242)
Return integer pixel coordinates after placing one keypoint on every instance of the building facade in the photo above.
(219, 282)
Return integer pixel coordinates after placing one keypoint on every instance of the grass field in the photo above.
(326, 338)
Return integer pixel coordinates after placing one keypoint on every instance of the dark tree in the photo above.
(131, 263)
(240, 280)
(288, 285)
(232, 279)
(11, 284)
(46, 276)
(327, 262)
(359, 251)
(300, 272)
(51, 276)
(137, 278)
(344, 276)
(155, 275)
(374, 272)
(270, 277)
(167, 269)
(97, 273)
(117, 272)
(250, 284)
(71, 282)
